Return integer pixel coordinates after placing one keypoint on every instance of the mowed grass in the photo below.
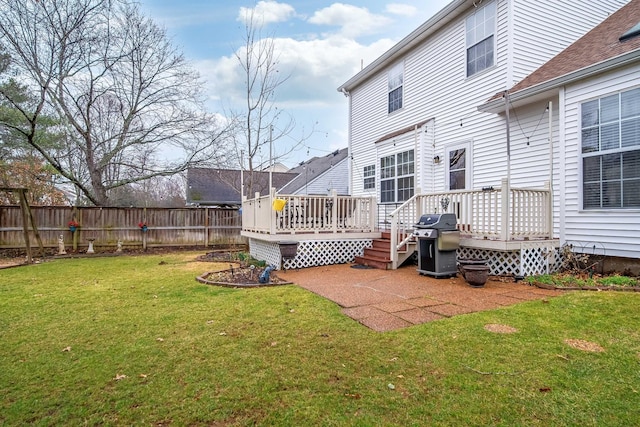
(137, 341)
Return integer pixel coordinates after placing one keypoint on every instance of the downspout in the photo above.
(562, 181)
(433, 155)
(551, 199)
(417, 190)
(506, 192)
(349, 148)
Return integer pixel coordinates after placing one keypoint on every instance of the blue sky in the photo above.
(320, 45)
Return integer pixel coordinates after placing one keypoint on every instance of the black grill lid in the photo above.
(445, 221)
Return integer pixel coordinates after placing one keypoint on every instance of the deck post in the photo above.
(394, 242)
(372, 213)
(334, 211)
(505, 230)
(547, 186)
(256, 197)
(272, 212)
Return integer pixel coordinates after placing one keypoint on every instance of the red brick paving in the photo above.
(418, 315)
(385, 300)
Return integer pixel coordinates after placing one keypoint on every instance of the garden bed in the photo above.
(241, 277)
(585, 282)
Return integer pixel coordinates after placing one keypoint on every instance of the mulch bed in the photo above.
(587, 288)
(241, 277)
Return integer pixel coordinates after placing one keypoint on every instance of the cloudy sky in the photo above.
(320, 46)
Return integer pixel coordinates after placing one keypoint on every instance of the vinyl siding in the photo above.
(615, 230)
(335, 178)
(542, 29)
(436, 87)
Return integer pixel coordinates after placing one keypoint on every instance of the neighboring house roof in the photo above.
(277, 167)
(312, 169)
(417, 36)
(597, 51)
(222, 186)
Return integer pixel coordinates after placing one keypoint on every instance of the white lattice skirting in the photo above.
(532, 259)
(311, 253)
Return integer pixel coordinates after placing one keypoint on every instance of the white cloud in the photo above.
(353, 21)
(315, 69)
(401, 9)
(268, 11)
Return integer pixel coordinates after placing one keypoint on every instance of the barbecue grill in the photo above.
(438, 240)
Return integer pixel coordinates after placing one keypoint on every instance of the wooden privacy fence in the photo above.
(107, 225)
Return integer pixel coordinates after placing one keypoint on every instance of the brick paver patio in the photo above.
(385, 300)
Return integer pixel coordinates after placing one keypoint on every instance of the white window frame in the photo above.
(610, 137)
(395, 84)
(481, 30)
(396, 168)
(467, 146)
(369, 177)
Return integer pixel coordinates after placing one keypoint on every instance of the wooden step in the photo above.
(377, 253)
(372, 262)
(378, 256)
(382, 244)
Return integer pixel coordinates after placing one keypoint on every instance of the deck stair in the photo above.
(379, 255)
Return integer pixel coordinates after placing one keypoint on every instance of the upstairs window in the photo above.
(480, 28)
(395, 82)
(611, 151)
(397, 177)
(369, 174)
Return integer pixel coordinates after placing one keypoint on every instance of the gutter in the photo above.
(418, 35)
(498, 105)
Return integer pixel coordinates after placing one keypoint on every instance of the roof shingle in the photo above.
(598, 45)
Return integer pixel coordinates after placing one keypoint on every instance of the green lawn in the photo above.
(137, 341)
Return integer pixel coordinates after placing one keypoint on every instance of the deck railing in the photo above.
(298, 214)
(501, 213)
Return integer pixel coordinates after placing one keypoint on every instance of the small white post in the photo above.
(372, 213)
(334, 211)
(61, 250)
(505, 230)
(90, 250)
(272, 212)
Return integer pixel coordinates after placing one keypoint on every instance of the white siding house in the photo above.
(480, 112)
(595, 87)
(420, 101)
(441, 95)
(320, 176)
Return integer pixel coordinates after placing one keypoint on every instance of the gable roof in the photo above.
(599, 50)
(222, 186)
(313, 169)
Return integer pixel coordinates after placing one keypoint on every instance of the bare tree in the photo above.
(159, 191)
(127, 100)
(262, 124)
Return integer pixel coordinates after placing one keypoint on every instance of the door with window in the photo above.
(458, 166)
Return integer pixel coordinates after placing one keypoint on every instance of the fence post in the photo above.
(144, 234)
(76, 214)
(206, 227)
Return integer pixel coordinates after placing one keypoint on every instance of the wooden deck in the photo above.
(491, 220)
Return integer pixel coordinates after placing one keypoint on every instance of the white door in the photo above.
(458, 166)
